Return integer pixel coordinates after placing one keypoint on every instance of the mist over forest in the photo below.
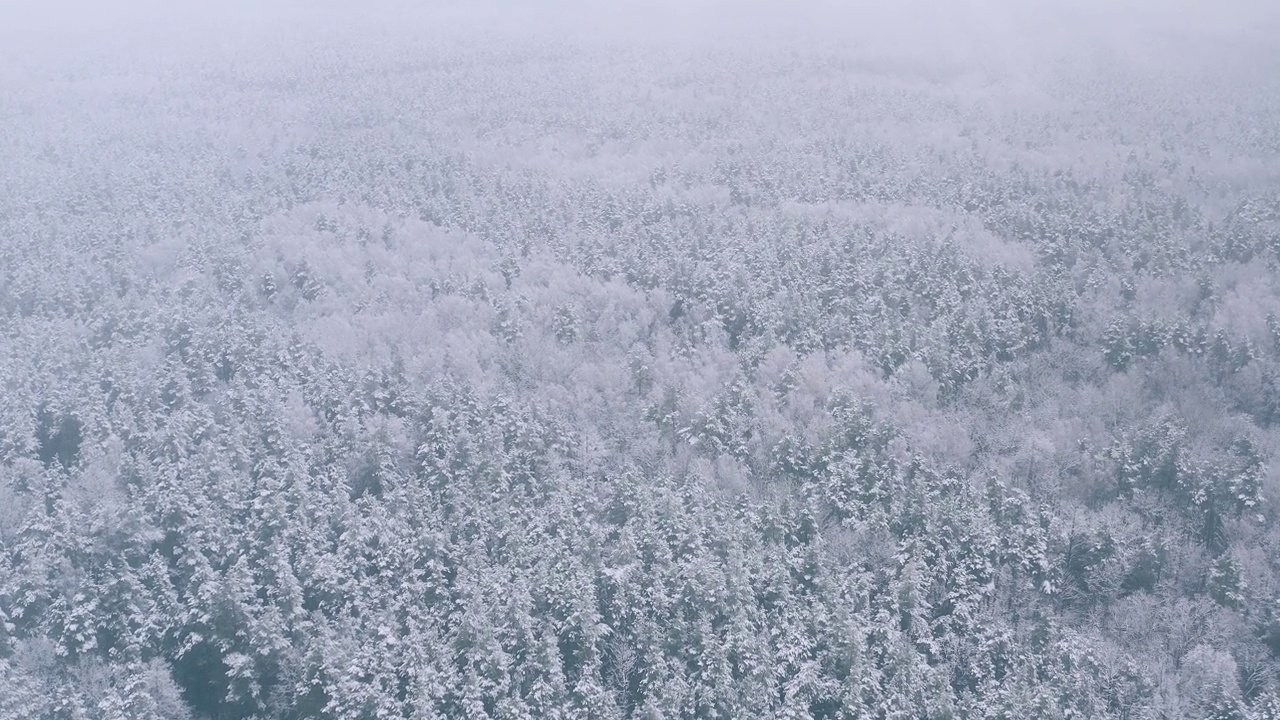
(647, 359)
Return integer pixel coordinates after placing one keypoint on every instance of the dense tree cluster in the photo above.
(560, 381)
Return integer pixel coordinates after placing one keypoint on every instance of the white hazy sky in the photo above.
(1186, 32)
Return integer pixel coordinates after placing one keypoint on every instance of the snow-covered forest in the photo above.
(461, 364)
